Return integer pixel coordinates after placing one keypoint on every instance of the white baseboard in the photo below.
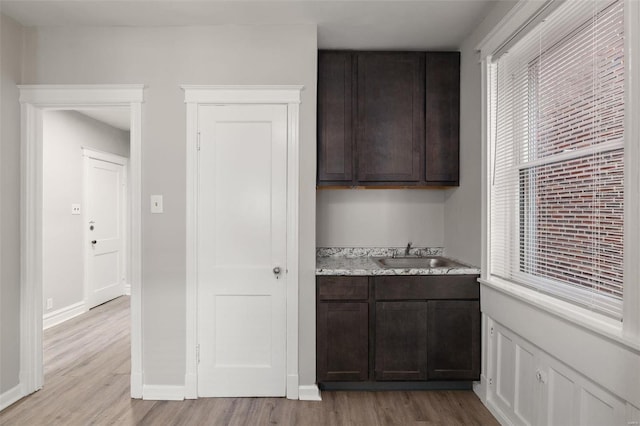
(190, 386)
(292, 386)
(309, 393)
(9, 397)
(480, 388)
(136, 385)
(497, 413)
(127, 289)
(61, 315)
(162, 393)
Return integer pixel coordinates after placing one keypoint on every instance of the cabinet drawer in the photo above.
(427, 287)
(343, 288)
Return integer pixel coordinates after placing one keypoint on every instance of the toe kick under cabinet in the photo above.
(398, 328)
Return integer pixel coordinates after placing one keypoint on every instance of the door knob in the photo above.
(93, 242)
(276, 270)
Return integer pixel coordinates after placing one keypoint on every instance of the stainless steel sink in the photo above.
(416, 262)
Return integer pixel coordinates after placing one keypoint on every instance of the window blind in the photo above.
(557, 128)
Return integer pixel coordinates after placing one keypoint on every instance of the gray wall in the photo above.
(462, 209)
(64, 134)
(380, 218)
(11, 57)
(163, 58)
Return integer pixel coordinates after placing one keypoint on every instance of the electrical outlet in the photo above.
(49, 303)
(75, 208)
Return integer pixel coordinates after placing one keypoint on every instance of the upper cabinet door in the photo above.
(335, 111)
(390, 117)
(442, 117)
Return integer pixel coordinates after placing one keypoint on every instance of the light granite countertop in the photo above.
(358, 261)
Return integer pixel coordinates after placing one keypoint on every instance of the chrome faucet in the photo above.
(406, 251)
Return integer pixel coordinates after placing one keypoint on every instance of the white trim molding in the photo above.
(63, 96)
(59, 316)
(162, 393)
(34, 100)
(196, 95)
(309, 393)
(631, 313)
(11, 396)
(517, 17)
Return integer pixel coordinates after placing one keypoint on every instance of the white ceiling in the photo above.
(343, 24)
(119, 118)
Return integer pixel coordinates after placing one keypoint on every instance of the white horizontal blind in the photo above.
(557, 178)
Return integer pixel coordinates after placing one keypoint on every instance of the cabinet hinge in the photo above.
(491, 331)
(198, 354)
(198, 143)
(490, 381)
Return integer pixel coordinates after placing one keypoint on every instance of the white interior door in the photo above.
(104, 206)
(241, 244)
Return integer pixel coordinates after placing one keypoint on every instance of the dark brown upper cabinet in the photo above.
(388, 118)
(335, 117)
(442, 114)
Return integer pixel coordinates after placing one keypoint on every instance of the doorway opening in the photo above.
(38, 103)
(85, 234)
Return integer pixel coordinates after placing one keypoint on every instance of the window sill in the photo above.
(594, 322)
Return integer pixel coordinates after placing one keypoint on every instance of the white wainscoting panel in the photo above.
(526, 386)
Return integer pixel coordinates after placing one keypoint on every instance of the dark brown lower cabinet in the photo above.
(453, 339)
(343, 341)
(401, 340)
(390, 328)
(342, 328)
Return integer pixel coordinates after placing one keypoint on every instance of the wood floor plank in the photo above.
(87, 368)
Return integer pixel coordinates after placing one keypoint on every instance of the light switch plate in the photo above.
(156, 204)
(75, 208)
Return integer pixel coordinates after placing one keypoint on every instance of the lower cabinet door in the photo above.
(401, 340)
(453, 340)
(342, 341)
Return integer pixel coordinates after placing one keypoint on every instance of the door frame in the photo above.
(196, 95)
(92, 154)
(34, 100)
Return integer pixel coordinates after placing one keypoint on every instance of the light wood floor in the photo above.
(87, 383)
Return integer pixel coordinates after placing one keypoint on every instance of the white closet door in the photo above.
(241, 250)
